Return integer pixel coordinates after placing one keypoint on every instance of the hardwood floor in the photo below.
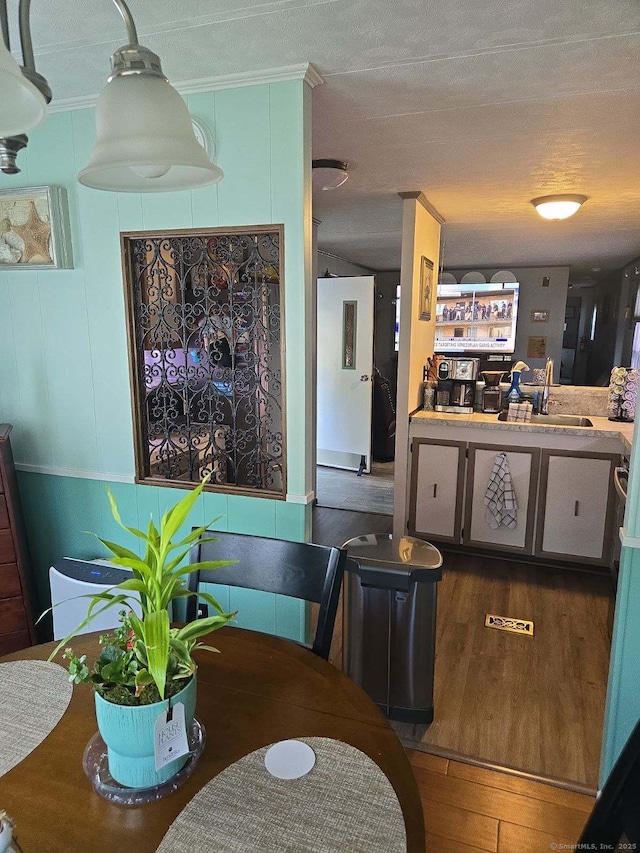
(470, 809)
(372, 492)
(532, 704)
(335, 526)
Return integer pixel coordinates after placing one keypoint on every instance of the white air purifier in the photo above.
(71, 579)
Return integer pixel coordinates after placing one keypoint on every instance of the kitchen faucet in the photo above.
(548, 379)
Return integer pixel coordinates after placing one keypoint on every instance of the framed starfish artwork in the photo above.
(34, 229)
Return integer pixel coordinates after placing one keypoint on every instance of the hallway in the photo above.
(340, 489)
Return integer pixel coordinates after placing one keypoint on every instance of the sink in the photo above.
(554, 420)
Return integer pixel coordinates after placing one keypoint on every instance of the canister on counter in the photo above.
(428, 396)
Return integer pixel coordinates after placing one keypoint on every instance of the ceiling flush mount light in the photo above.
(329, 174)
(144, 137)
(558, 206)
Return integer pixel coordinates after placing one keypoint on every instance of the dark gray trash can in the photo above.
(389, 632)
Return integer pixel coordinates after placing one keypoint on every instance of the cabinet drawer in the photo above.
(12, 616)
(7, 548)
(4, 513)
(9, 581)
(14, 642)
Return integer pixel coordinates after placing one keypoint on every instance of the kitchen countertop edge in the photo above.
(602, 427)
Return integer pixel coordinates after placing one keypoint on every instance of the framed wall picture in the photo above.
(540, 316)
(536, 346)
(34, 229)
(426, 287)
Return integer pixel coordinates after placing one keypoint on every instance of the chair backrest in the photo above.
(617, 810)
(295, 569)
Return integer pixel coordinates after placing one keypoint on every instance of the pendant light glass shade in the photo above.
(22, 106)
(145, 141)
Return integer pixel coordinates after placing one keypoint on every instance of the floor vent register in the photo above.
(506, 623)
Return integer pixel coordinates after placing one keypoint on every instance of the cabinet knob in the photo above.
(577, 506)
(435, 489)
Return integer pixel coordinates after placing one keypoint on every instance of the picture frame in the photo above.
(34, 229)
(536, 346)
(541, 315)
(426, 287)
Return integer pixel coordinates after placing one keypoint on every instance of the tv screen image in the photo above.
(476, 317)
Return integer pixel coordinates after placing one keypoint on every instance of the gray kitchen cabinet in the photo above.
(576, 506)
(524, 463)
(436, 489)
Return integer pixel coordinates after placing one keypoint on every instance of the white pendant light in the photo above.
(22, 106)
(558, 206)
(144, 140)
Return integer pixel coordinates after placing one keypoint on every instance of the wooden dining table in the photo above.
(258, 690)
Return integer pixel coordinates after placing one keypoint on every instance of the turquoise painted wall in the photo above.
(64, 512)
(64, 382)
(622, 710)
(623, 697)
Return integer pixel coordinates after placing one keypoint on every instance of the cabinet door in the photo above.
(524, 463)
(576, 505)
(436, 490)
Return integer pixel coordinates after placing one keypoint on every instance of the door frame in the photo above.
(315, 376)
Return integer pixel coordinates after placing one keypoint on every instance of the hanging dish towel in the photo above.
(500, 498)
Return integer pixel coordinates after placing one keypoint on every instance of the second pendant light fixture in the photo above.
(144, 136)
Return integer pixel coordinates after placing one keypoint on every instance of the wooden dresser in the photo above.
(16, 613)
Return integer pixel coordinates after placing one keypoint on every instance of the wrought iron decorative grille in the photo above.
(206, 338)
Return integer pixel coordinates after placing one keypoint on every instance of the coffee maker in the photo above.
(456, 388)
(492, 393)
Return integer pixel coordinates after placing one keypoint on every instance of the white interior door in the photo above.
(345, 371)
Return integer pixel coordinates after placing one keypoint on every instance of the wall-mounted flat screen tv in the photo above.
(476, 317)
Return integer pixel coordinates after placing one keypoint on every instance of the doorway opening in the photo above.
(356, 391)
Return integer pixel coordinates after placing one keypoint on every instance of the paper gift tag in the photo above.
(171, 736)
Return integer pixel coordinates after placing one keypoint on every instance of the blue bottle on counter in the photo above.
(513, 394)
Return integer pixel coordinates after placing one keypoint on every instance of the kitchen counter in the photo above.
(602, 427)
(562, 476)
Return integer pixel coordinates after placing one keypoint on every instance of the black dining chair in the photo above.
(295, 569)
(616, 813)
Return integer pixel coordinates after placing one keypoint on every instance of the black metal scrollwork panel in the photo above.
(205, 314)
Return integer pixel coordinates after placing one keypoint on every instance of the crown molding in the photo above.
(346, 260)
(303, 71)
(420, 197)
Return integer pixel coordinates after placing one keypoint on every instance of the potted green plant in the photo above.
(145, 665)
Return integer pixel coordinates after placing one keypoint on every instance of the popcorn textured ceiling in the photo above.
(482, 106)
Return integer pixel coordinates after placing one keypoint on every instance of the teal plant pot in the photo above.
(129, 730)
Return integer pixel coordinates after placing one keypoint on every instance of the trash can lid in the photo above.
(407, 555)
